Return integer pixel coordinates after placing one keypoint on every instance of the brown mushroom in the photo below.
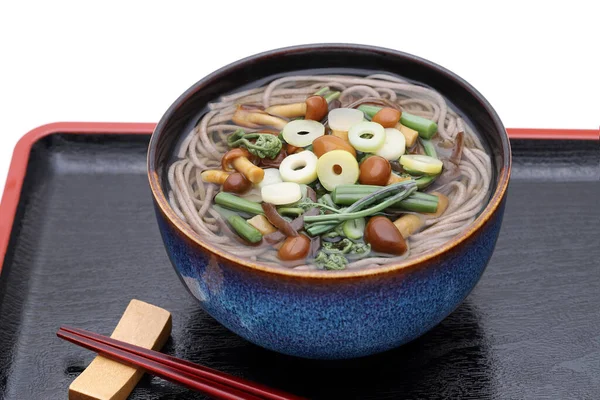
(314, 108)
(238, 158)
(294, 248)
(384, 236)
(255, 118)
(387, 117)
(291, 149)
(274, 163)
(236, 183)
(375, 170)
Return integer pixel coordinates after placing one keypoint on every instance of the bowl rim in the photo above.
(489, 210)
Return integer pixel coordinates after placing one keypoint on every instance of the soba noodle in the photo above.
(192, 199)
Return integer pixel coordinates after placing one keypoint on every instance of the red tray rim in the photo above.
(20, 158)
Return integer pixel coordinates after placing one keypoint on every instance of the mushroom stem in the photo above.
(293, 110)
(256, 118)
(214, 176)
(408, 224)
(253, 173)
(396, 178)
(341, 134)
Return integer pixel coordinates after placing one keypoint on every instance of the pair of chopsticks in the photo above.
(196, 377)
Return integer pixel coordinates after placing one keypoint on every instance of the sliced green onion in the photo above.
(369, 110)
(236, 203)
(420, 163)
(354, 229)
(244, 229)
(366, 136)
(301, 132)
(424, 126)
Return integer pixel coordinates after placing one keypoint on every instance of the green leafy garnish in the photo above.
(265, 145)
(330, 261)
(334, 256)
(359, 250)
(341, 247)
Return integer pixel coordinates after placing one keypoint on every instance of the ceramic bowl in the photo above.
(321, 314)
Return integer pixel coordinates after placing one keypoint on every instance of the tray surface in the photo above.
(85, 242)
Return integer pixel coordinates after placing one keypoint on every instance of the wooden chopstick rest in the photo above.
(142, 324)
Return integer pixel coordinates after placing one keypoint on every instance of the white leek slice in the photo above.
(421, 163)
(299, 167)
(281, 193)
(367, 137)
(342, 119)
(394, 145)
(271, 176)
(301, 133)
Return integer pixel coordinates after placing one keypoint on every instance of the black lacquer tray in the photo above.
(78, 239)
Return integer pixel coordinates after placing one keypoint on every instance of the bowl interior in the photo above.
(185, 113)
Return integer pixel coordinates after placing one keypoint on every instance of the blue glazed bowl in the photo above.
(318, 314)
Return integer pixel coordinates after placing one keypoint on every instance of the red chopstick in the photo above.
(212, 382)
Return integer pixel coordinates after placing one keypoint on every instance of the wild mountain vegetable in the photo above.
(330, 261)
(265, 145)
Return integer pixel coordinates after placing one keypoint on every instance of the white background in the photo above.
(536, 62)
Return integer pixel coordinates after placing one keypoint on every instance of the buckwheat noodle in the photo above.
(191, 198)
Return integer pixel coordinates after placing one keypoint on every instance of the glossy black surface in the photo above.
(85, 242)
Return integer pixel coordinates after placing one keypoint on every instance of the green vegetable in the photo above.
(244, 229)
(224, 212)
(359, 250)
(236, 203)
(424, 126)
(322, 204)
(332, 96)
(239, 225)
(354, 228)
(318, 224)
(330, 261)
(334, 256)
(326, 200)
(418, 202)
(322, 91)
(295, 211)
(338, 231)
(425, 181)
(428, 147)
(341, 247)
(369, 110)
(265, 145)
